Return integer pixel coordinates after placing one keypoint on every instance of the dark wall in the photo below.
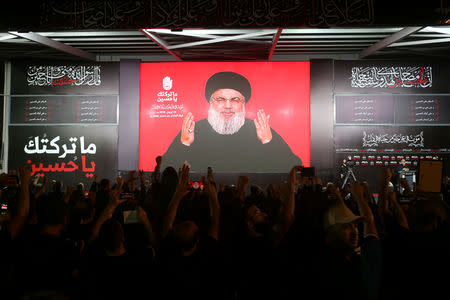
(128, 154)
(322, 148)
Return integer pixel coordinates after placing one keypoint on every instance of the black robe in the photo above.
(239, 152)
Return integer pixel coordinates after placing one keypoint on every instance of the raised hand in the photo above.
(130, 177)
(357, 190)
(263, 130)
(119, 181)
(242, 182)
(386, 175)
(209, 187)
(241, 186)
(210, 175)
(142, 177)
(142, 215)
(24, 174)
(158, 160)
(293, 179)
(187, 130)
(183, 181)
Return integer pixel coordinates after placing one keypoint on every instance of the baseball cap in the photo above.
(339, 213)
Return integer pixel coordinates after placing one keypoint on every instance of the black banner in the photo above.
(364, 109)
(393, 109)
(63, 109)
(392, 139)
(127, 14)
(67, 78)
(69, 153)
(361, 77)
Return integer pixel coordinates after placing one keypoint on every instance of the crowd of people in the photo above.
(164, 238)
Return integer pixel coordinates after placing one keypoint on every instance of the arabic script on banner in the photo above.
(44, 145)
(64, 76)
(392, 77)
(374, 140)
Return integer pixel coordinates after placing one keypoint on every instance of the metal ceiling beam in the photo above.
(229, 56)
(7, 37)
(162, 43)
(98, 33)
(332, 36)
(100, 39)
(274, 43)
(197, 34)
(340, 30)
(422, 42)
(328, 41)
(389, 40)
(207, 31)
(54, 44)
(225, 39)
(443, 30)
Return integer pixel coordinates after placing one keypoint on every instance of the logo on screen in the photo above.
(167, 83)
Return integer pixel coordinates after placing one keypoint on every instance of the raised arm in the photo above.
(156, 176)
(286, 216)
(288, 198)
(181, 191)
(68, 194)
(18, 220)
(241, 187)
(397, 210)
(143, 218)
(109, 210)
(41, 189)
(364, 209)
(130, 181)
(94, 185)
(214, 207)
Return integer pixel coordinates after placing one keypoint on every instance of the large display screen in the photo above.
(235, 117)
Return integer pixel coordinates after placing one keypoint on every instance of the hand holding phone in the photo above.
(126, 196)
(196, 185)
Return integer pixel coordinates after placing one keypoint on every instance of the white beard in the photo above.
(223, 126)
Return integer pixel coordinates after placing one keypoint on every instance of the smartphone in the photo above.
(126, 196)
(209, 170)
(4, 208)
(196, 185)
(308, 172)
(13, 180)
(130, 216)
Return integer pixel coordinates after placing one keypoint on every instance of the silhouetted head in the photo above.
(111, 235)
(105, 184)
(186, 236)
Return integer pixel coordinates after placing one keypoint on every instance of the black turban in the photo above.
(228, 80)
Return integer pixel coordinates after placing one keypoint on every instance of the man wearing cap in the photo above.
(340, 270)
(226, 140)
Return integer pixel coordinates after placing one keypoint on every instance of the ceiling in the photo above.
(268, 44)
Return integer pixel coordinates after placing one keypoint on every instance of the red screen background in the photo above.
(282, 89)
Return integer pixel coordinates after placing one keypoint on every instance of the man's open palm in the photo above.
(263, 130)
(187, 129)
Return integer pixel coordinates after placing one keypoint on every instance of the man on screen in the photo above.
(226, 140)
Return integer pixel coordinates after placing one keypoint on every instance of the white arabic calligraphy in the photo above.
(373, 139)
(39, 146)
(388, 77)
(63, 75)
